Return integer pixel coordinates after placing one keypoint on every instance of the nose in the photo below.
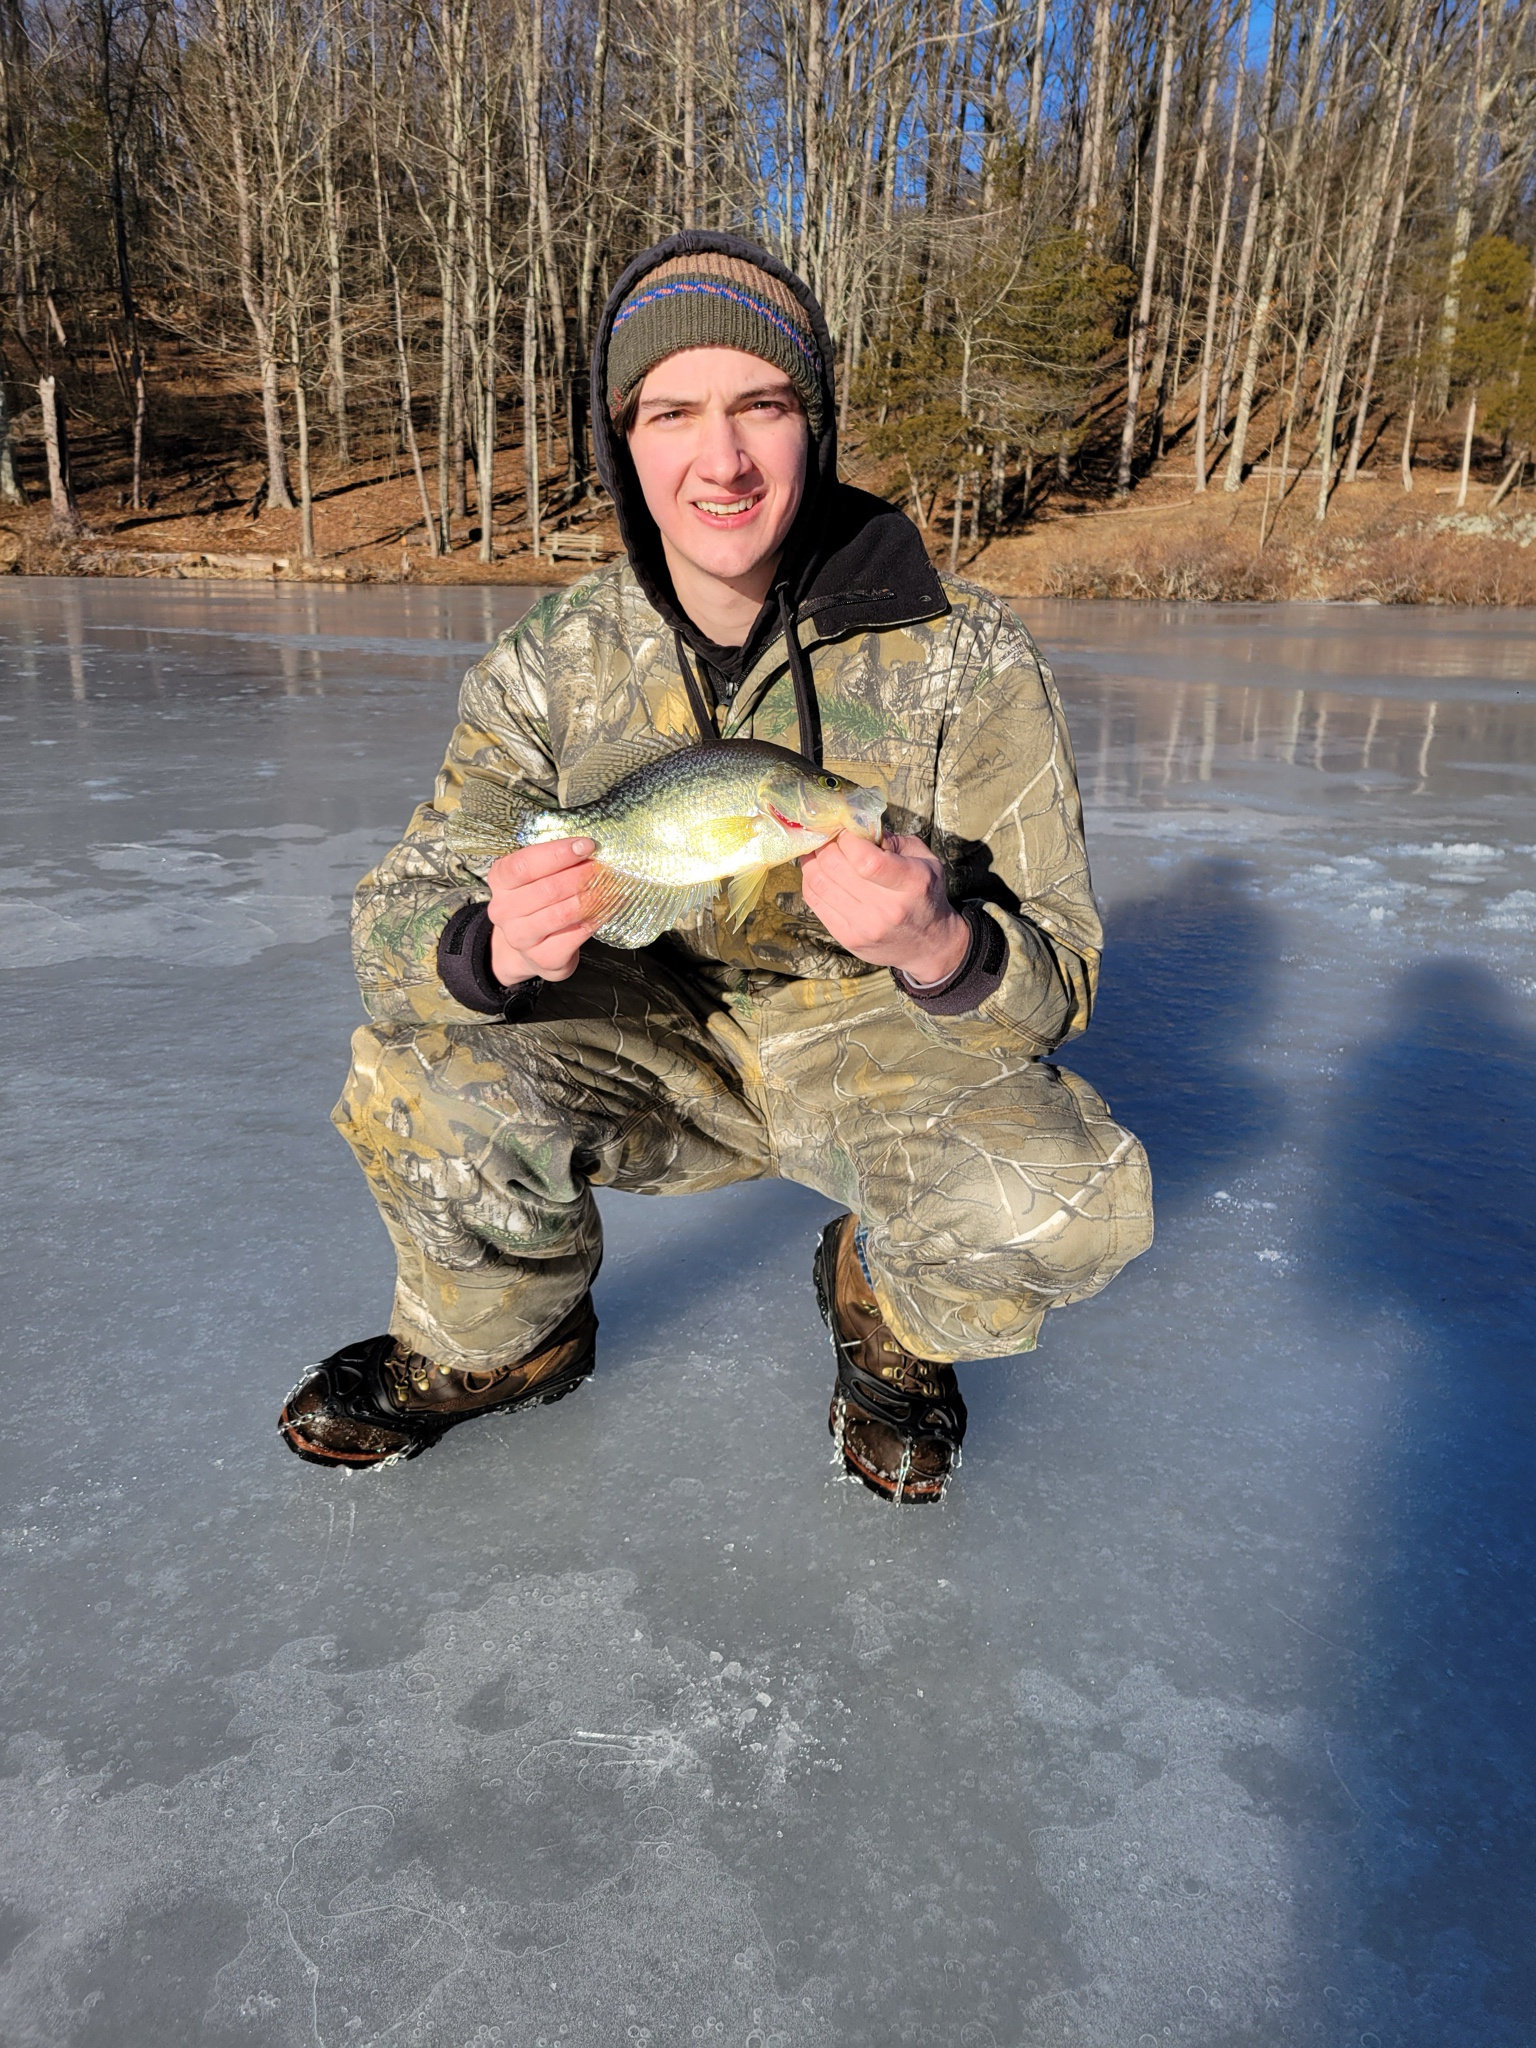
(722, 459)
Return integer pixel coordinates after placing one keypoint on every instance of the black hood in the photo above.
(851, 561)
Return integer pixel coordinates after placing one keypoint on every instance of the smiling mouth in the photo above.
(727, 508)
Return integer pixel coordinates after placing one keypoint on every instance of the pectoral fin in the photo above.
(744, 891)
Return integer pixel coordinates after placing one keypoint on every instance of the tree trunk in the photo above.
(549, 260)
(333, 209)
(1036, 83)
(118, 198)
(485, 436)
(66, 514)
(1284, 193)
(1197, 179)
(1265, 529)
(1466, 452)
(532, 84)
(408, 420)
(687, 61)
(1510, 475)
(1357, 275)
(531, 403)
(1363, 402)
(1138, 348)
(1088, 189)
(1407, 464)
(402, 359)
(464, 317)
(11, 492)
(1250, 227)
(450, 445)
(587, 270)
(301, 417)
(255, 291)
(1461, 231)
(1218, 258)
(853, 339)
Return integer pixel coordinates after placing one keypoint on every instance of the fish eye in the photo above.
(831, 782)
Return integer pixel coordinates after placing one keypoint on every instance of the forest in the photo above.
(258, 252)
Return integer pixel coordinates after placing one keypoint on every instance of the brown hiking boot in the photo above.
(375, 1404)
(898, 1421)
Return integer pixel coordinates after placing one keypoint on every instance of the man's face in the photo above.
(720, 445)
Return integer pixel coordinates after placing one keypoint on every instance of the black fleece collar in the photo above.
(852, 563)
(871, 571)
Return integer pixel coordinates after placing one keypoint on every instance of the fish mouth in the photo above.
(868, 807)
(789, 824)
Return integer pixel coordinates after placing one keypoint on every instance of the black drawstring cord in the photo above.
(807, 709)
(703, 712)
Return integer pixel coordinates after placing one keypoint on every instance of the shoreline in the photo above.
(1379, 546)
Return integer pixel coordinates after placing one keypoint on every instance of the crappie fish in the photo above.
(670, 824)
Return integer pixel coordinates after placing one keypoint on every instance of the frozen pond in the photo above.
(1201, 1713)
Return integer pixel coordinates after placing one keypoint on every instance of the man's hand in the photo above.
(535, 910)
(886, 904)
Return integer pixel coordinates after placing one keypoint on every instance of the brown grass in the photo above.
(1378, 546)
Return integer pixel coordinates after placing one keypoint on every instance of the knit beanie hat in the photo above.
(711, 300)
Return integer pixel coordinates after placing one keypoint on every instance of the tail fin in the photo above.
(493, 817)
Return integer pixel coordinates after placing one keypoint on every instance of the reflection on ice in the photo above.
(1198, 1711)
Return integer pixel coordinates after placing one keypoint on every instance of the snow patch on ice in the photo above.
(1471, 852)
(381, 1839)
(1513, 913)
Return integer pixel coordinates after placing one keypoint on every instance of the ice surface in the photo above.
(1201, 1712)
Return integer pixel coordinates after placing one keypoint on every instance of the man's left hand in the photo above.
(887, 904)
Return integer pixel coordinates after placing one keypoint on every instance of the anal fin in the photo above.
(630, 911)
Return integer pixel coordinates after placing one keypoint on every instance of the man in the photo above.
(877, 1028)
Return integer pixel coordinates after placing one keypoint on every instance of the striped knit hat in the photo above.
(709, 300)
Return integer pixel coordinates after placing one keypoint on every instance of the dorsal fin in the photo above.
(607, 763)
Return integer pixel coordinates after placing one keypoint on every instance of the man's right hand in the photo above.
(537, 928)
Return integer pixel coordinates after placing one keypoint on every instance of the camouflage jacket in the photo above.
(954, 716)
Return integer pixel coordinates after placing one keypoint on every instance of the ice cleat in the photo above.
(897, 1421)
(374, 1403)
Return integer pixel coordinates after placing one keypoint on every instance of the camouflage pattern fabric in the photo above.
(956, 719)
(994, 1186)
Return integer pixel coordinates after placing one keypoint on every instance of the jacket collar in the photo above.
(870, 571)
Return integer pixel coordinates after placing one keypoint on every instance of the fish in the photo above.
(670, 823)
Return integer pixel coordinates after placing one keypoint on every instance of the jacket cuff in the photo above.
(464, 967)
(978, 976)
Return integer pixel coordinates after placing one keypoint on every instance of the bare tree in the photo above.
(1136, 367)
(398, 221)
